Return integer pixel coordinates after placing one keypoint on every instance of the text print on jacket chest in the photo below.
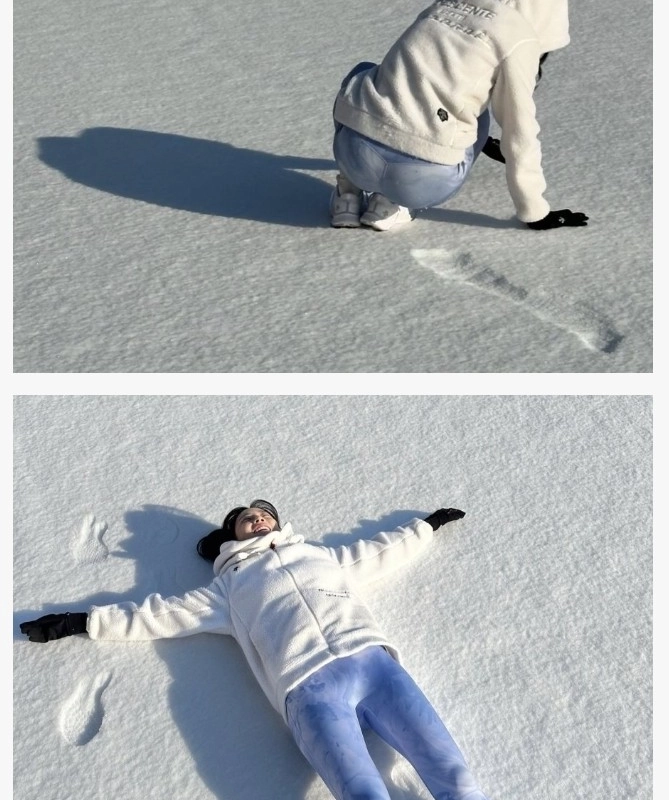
(317, 572)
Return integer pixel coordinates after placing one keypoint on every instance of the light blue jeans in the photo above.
(404, 179)
(328, 712)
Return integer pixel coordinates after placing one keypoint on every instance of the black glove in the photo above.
(443, 515)
(559, 219)
(492, 150)
(54, 626)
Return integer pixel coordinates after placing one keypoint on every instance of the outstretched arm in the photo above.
(370, 559)
(198, 611)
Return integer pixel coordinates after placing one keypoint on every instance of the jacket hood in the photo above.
(550, 20)
(234, 551)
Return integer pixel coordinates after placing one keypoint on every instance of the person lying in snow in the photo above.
(311, 642)
(408, 130)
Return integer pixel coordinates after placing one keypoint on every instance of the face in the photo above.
(254, 522)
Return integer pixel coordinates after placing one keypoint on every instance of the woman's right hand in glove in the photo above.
(559, 219)
(54, 626)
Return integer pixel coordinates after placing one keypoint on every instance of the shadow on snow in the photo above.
(197, 175)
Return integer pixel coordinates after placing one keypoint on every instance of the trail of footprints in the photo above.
(82, 713)
(594, 330)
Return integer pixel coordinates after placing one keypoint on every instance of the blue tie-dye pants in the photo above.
(403, 179)
(328, 712)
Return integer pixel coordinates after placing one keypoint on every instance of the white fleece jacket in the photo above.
(292, 606)
(455, 60)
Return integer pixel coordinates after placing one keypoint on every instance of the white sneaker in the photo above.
(345, 209)
(382, 215)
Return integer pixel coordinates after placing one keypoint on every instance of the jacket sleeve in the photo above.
(370, 559)
(202, 610)
(513, 107)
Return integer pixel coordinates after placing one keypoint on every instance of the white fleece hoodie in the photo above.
(455, 60)
(292, 606)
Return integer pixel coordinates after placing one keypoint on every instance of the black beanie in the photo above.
(210, 545)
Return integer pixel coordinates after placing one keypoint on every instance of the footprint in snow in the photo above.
(88, 541)
(82, 713)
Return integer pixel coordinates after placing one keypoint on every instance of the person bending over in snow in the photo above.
(310, 640)
(408, 130)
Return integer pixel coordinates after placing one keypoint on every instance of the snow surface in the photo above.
(172, 172)
(528, 623)
(172, 168)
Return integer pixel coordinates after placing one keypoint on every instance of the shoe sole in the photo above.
(383, 224)
(349, 222)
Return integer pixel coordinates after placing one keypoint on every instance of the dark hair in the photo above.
(210, 545)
